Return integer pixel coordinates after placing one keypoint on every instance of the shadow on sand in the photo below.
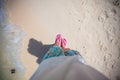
(38, 49)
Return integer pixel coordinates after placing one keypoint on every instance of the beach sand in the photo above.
(90, 26)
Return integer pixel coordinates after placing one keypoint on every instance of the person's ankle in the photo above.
(65, 49)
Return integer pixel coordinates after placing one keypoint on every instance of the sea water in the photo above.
(11, 36)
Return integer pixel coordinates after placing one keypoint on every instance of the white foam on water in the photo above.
(11, 39)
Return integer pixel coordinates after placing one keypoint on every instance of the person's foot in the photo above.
(63, 43)
(58, 40)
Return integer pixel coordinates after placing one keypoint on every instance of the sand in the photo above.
(90, 26)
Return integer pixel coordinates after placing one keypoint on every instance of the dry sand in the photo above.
(90, 26)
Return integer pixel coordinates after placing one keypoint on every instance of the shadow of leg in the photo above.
(37, 49)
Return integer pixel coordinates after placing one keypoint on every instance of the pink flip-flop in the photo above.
(64, 42)
(58, 39)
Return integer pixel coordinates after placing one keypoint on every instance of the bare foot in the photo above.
(65, 49)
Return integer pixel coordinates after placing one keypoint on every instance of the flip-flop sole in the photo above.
(58, 39)
(64, 42)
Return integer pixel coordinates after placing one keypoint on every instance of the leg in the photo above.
(69, 52)
(54, 51)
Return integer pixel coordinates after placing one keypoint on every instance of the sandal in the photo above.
(58, 40)
(64, 42)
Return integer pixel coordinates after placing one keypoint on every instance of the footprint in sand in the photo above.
(103, 17)
(111, 12)
(107, 14)
(116, 3)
